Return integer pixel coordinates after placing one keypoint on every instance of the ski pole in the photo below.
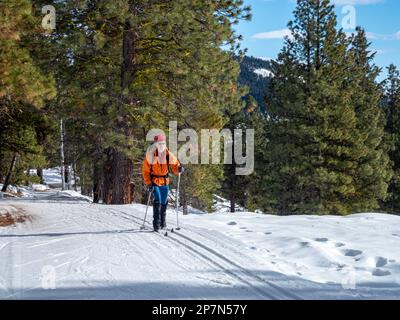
(145, 215)
(177, 202)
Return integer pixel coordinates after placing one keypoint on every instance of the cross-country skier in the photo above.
(155, 170)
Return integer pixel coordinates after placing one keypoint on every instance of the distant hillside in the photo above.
(256, 73)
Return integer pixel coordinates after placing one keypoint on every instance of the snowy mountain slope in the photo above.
(256, 74)
(84, 251)
(263, 73)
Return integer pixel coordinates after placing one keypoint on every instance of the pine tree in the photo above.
(199, 184)
(236, 188)
(372, 173)
(124, 67)
(24, 90)
(19, 144)
(314, 148)
(20, 80)
(391, 107)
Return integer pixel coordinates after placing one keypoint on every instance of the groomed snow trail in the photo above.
(78, 250)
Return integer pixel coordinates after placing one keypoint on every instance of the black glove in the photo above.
(180, 169)
(149, 188)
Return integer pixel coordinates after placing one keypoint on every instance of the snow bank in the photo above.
(42, 193)
(324, 249)
(10, 188)
(99, 251)
(63, 196)
(73, 194)
(40, 187)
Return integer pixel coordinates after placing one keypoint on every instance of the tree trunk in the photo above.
(10, 171)
(62, 155)
(128, 68)
(107, 178)
(75, 180)
(121, 165)
(86, 190)
(184, 203)
(132, 190)
(1, 166)
(81, 182)
(67, 176)
(122, 172)
(96, 183)
(39, 173)
(28, 174)
(232, 201)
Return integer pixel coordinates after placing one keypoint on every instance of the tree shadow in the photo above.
(207, 289)
(59, 234)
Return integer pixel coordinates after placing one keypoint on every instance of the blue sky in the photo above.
(380, 18)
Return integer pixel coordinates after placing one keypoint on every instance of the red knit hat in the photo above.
(160, 137)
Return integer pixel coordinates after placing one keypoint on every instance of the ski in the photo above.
(162, 230)
(173, 230)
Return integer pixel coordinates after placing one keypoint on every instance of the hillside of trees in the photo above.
(257, 83)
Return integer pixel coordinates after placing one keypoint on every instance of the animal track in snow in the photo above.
(380, 262)
(321, 239)
(380, 273)
(232, 223)
(340, 267)
(352, 253)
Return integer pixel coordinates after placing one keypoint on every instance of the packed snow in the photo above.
(71, 248)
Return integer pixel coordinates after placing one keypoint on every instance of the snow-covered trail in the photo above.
(100, 252)
(90, 251)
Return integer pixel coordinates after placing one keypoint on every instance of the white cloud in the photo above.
(380, 36)
(355, 2)
(379, 52)
(351, 2)
(276, 34)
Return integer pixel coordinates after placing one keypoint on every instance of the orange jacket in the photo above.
(155, 167)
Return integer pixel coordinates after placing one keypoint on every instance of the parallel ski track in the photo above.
(212, 255)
